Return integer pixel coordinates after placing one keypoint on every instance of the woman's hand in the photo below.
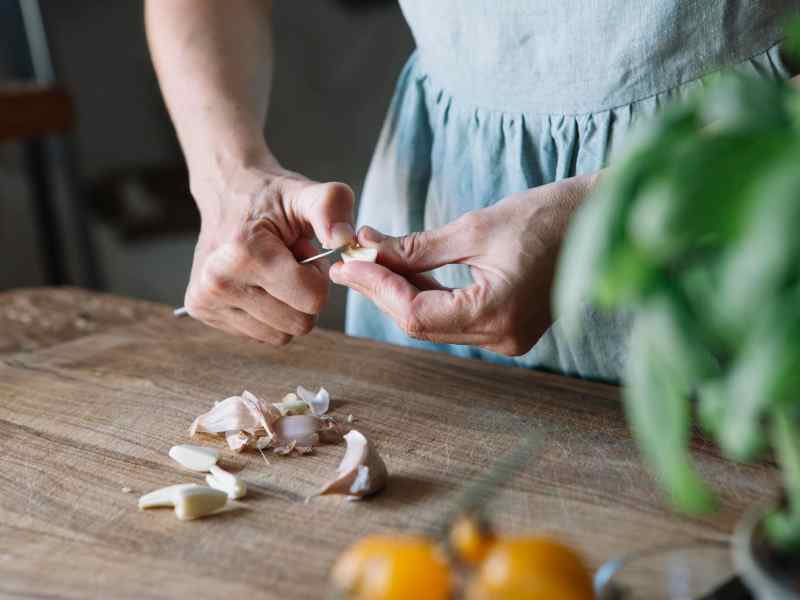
(245, 278)
(511, 248)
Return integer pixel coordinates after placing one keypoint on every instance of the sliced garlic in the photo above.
(196, 458)
(359, 253)
(222, 480)
(199, 501)
(362, 471)
(318, 403)
(163, 497)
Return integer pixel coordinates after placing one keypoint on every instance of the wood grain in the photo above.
(81, 420)
(36, 318)
(31, 110)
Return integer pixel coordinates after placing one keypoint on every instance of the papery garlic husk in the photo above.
(237, 413)
(359, 253)
(362, 471)
(238, 440)
(318, 403)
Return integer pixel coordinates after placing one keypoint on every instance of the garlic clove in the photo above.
(198, 501)
(195, 458)
(318, 403)
(163, 497)
(362, 471)
(222, 480)
(359, 253)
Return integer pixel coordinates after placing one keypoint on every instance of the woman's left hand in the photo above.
(511, 249)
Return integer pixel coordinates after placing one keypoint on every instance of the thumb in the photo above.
(419, 251)
(327, 209)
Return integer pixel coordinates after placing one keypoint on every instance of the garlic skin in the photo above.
(222, 480)
(362, 471)
(195, 458)
(318, 403)
(163, 497)
(199, 501)
(359, 253)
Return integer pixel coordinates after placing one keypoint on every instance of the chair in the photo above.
(40, 114)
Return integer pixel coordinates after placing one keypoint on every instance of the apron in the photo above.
(503, 96)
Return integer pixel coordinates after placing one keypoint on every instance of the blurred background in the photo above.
(112, 181)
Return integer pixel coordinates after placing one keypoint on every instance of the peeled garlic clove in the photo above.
(220, 479)
(318, 403)
(163, 497)
(301, 429)
(196, 458)
(198, 501)
(362, 471)
(359, 253)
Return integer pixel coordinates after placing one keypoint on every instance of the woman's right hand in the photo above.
(246, 278)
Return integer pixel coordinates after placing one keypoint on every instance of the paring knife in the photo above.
(182, 312)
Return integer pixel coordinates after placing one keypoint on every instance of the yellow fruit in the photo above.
(471, 540)
(393, 568)
(531, 569)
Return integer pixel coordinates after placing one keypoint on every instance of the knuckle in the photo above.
(280, 339)
(411, 247)
(305, 325)
(413, 325)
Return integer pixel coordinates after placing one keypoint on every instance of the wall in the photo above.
(335, 73)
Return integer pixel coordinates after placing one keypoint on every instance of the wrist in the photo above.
(231, 175)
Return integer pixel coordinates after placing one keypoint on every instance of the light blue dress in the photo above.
(505, 95)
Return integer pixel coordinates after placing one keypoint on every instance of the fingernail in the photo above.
(370, 235)
(342, 234)
(333, 273)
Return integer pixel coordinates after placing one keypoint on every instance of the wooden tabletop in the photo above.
(88, 417)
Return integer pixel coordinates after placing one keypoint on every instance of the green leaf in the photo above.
(596, 243)
(766, 373)
(665, 363)
(783, 528)
(764, 259)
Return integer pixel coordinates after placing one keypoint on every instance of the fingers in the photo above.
(245, 325)
(274, 313)
(326, 209)
(275, 269)
(438, 315)
(427, 250)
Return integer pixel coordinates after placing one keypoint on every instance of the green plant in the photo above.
(696, 229)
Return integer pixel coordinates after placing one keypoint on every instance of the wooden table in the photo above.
(84, 419)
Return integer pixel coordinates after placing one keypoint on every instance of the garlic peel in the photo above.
(195, 458)
(362, 471)
(163, 496)
(318, 403)
(222, 480)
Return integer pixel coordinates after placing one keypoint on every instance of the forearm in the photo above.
(214, 65)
